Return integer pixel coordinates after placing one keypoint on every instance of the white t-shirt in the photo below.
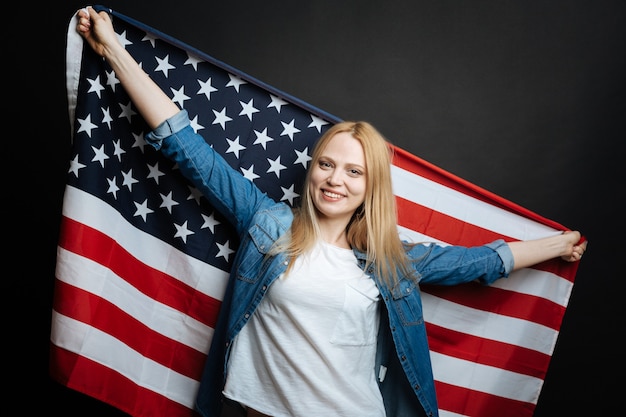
(309, 349)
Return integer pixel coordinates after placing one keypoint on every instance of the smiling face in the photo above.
(338, 181)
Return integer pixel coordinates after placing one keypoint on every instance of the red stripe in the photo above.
(99, 313)
(468, 402)
(97, 246)
(109, 386)
(487, 352)
(496, 300)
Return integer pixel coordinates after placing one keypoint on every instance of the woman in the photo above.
(322, 314)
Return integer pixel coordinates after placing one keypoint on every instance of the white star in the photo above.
(302, 157)
(142, 209)
(195, 125)
(206, 88)
(234, 146)
(248, 109)
(182, 231)
(149, 38)
(164, 65)
(113, 188)
(127, 111)
(235, 82)
(289, 129)
(317, 123)
(168, 202)
(249, 173)
(118, 150)
(221, 118)
(179, 96)
(224, 250)
(75, 166)
(194, 194)
(123, 40)
(99, 155)
(210, 222)
(106, 116)
(128, 179)
(154, 172)
(275, 166)
(192, 60)
(86, 125)
(277, 102)
(112, 80)
(289, 194)
(139, 142)
(95, 86)
(262, 138)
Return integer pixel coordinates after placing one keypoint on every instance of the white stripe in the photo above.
(487, 379)
(445, 200)
(488, 325)
(100, 347)
(92, 277)
(444, 413)
(93, 212)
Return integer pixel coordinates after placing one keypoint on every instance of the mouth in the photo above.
(332, 195)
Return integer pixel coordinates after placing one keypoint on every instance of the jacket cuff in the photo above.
(503, 250)
(170, 126)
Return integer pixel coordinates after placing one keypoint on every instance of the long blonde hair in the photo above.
(373, 227)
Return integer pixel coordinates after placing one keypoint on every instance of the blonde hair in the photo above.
(373, 227)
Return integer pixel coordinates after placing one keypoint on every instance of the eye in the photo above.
(325, 164)
(355, 172)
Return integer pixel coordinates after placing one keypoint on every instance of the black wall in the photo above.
(523, 98)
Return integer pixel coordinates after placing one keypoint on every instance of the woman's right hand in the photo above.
(97, 29)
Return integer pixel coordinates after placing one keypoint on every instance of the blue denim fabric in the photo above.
(408, 388)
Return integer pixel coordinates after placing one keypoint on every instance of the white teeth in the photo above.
(332, 195)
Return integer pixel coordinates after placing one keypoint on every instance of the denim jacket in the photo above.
(407, 383)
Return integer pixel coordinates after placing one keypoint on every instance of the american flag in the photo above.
(143, 259)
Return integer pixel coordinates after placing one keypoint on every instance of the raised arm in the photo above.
(567, 246)
(153, 104)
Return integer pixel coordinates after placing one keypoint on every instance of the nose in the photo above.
(334, 178)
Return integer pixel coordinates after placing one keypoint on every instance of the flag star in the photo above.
(112, 80)
(154, 172)
(86, 125)
(248, 109)
(139, 142)
(128, 179)
(317, 123)
(195, 125)
(113, 188)
(277, 103)
(234, 146)
(118, 150)
(289, 129)
(224, 250)
(249, 173)
(210, 222)
(206, 88)
(179, 96)
(192, 60)
(235, 82)
(182, 231)
(302, 157)
(95, 86)
(194, 194)
(289, 194)
(262, 138)
(221, 118)
(149, 38)
(106, 116)
(142, 209)
(275, 166)
(75, 166)
(168, 202)
(99, 155)
(127, 111)
(164, 65)
(123, 40)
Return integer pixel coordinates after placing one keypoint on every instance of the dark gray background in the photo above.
(523, 98)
